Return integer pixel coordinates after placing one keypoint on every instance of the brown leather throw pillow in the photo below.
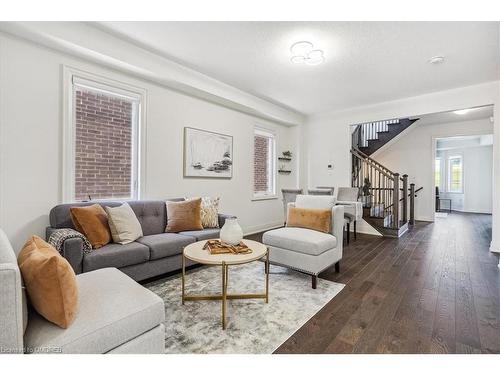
(50, 282)
(92, 222)
(185, 215)
(310, 218)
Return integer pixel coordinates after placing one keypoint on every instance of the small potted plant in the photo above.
(287, 154)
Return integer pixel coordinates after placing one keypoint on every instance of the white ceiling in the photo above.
(366, 62)
(447, 117)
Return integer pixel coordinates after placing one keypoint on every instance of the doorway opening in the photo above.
(463, 162)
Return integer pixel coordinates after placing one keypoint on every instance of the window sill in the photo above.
(264, 197)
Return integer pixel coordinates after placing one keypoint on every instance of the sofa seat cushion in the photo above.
(165, 244)
(301, 240)
(201, 235)
(113, 310)
(116, 255)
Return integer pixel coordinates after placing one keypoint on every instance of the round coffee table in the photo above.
(196, 253)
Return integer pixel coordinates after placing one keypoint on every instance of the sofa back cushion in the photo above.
(13, 307)
(151, 214)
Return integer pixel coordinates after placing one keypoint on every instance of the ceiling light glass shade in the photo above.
(315, 57)
(298, 59)
(301, 48)
(436, 60)
(303, 53)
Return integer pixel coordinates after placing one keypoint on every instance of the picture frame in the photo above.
(207, 154)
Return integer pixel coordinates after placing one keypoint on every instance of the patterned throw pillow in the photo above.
(210, 212)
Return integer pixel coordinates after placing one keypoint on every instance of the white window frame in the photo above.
(260, 131)
(441, 173)
(77, 78)
(448, 179)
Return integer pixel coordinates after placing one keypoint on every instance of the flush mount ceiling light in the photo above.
(304, 53)
(436, 60)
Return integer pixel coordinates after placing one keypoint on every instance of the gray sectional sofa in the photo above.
(154, 254)
(122, 317)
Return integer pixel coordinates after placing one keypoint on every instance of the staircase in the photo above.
(380, 191)
(388, 200)
(371, 136)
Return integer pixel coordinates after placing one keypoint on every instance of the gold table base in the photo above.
(224, 296)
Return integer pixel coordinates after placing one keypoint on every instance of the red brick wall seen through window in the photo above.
(103, 146)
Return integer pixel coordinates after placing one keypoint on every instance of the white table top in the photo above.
(196, 253)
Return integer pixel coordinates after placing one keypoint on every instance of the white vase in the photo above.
(231, 232)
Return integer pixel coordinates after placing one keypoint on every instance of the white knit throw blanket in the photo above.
(58, 237)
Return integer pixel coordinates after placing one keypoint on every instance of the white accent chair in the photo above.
(289, 196)
(307, 250)
(353, 208)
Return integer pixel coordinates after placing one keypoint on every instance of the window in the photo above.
(455, 174)
(437, 172)
(264, 164)
(103, 143)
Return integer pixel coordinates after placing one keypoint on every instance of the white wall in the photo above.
(31, 143)
(477, 179)
(328, 135)
(90, 43)
(413, 154)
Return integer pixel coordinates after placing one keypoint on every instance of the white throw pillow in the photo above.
(125, 228)
(210, 212)
(324, 202)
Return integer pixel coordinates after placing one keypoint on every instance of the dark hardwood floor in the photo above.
(434, 290)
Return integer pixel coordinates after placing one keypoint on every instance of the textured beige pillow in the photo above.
(184, 215)
(125, 228)
(210, 212)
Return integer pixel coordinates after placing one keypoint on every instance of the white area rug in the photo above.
(252, 325)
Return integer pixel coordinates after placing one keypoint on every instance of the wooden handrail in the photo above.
(389, 196)
(379, 167)
(365, 156)
(373, 162)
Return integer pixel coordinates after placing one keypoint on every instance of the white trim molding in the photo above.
(272, 166)
(73, 76)
(86, 41)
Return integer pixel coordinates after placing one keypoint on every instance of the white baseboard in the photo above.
(262, 228)
(474, 211)
(494, 247)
